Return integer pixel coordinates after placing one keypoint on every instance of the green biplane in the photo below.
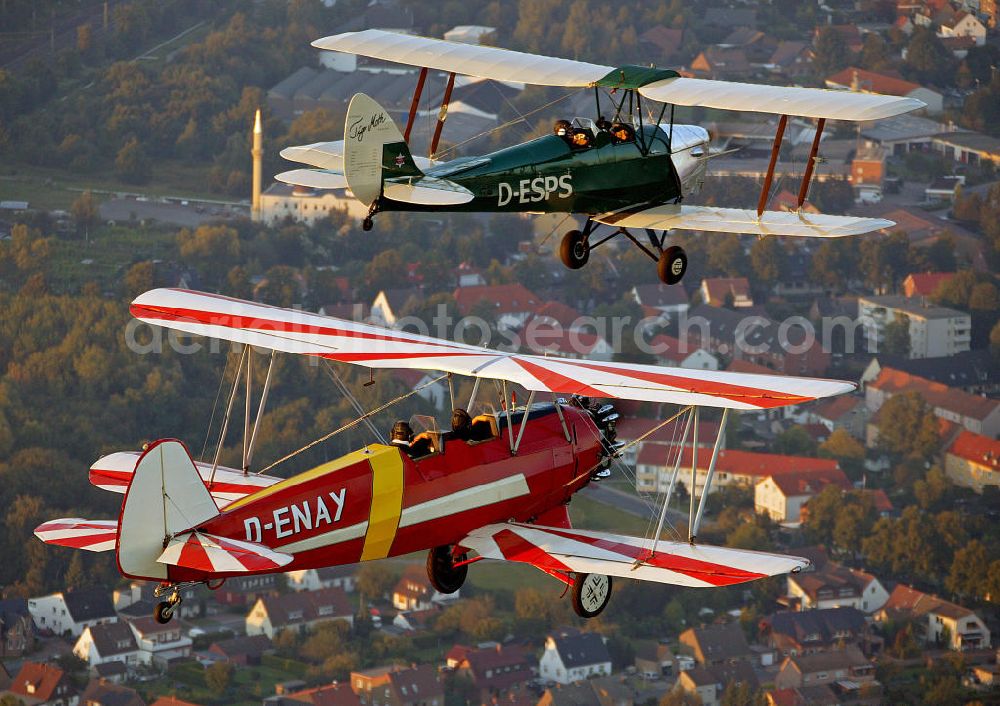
(624, 172)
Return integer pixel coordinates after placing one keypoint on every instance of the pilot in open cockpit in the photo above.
(620, 132)
(577, 138)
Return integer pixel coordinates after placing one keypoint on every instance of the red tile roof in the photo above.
(872, 82)
(504, 298)
(37, 681)
(834, 408)
(670, 348)
(910, 602)
(880, 499)
(809, 482)
(923, 284)
(893, 382)
(327, 695)
(171, 701)
(738, 365)
(744, 463)
(977, 448)
(553, 311)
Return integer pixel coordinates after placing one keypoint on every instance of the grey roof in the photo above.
(850, 657)
(730, 17)
(657, 295)
(970, 140)
(721, 642)
(825, 624)
(113, 639)
(287, 87)
(967, 369)
(915, 306)
(901, 127)
(578, 649)
(89, 604)
(578, 694)
(243, 645)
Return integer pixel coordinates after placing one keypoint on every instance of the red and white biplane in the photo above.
(495, 486)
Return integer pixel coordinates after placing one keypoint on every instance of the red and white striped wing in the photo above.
(211, 554)
(363, 344)
(581, 551)
(75, 532)
(114, 472)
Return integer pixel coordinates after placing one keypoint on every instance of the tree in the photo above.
(748, 536)
(84, 212)
(132, 163)
(678, 697)
(848, 451)
(830, 52)
(727, 256)
(966, 577)
(767, 257)
(218, 677)
(375, 580)
(139, 278)
(927, 59)
(795, 441)
(897, 337)
(210, 246)
(908, 427)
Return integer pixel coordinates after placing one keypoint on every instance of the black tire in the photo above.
(367, 224)
(672, 265)
(591, 593)
(445, 577)
(163, 612)
(574, 251)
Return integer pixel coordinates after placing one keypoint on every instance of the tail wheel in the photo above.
(591, 593)
(442, 572)
(672, 265)
(574, 251)
(164, 611)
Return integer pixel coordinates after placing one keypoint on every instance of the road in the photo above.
(187, 215)
(630, 503)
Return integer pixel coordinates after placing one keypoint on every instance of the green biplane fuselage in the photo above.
(546, 175)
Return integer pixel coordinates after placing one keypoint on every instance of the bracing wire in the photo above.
(215, 406)
(353, 423)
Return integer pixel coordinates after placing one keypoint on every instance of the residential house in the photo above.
(735, 335)
(670, 300)
(571, 655)
(974, 413)
(17, 630)
(493, 668)
(654, 465)
(868, 173)
(72, 611)
(731, 292)
(245, 590)
(791, 59)
(973, 461)
(243, 651)
(399, 686)
(821, 668)
(924, 284)
(964, 24)
(100, 692)
(43, 685)
(834, 586)
(663, 43)
(807, 632)
(577, 694)
(864, 81)
(973, 371)
(671, 351)
(343, 577)
(171, 701)
(847, 412)
(509, 305)
(709, 683)
(335, 694)
(716, 644)
(630, 429)
(718, 62)
(939, 621)
(555, 314)
(935, 331)
(544, 340)
(414, 591)
(388, 306)
(299, 611)
(416, 620)
(782, 496)
(821, 695)
(108, 642)
(160, 644)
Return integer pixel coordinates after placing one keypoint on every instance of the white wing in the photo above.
(741, 220)
(375, 347)
(466, 59)
(781, 100)
(557, 550)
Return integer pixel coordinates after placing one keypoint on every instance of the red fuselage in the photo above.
(378, 502)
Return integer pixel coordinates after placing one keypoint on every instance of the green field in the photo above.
(108, 254)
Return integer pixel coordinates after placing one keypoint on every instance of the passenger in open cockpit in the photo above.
(621, 132)
(461, 424)
(562, 128)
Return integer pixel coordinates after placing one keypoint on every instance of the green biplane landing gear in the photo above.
(672, 264)
(574, 251)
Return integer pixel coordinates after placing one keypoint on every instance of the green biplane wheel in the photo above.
(672, 265)
(574, 251)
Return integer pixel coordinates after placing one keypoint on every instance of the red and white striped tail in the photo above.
(114, 472)
(212, 554)
(77, 533)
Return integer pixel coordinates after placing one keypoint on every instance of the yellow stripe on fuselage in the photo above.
(387, 503)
